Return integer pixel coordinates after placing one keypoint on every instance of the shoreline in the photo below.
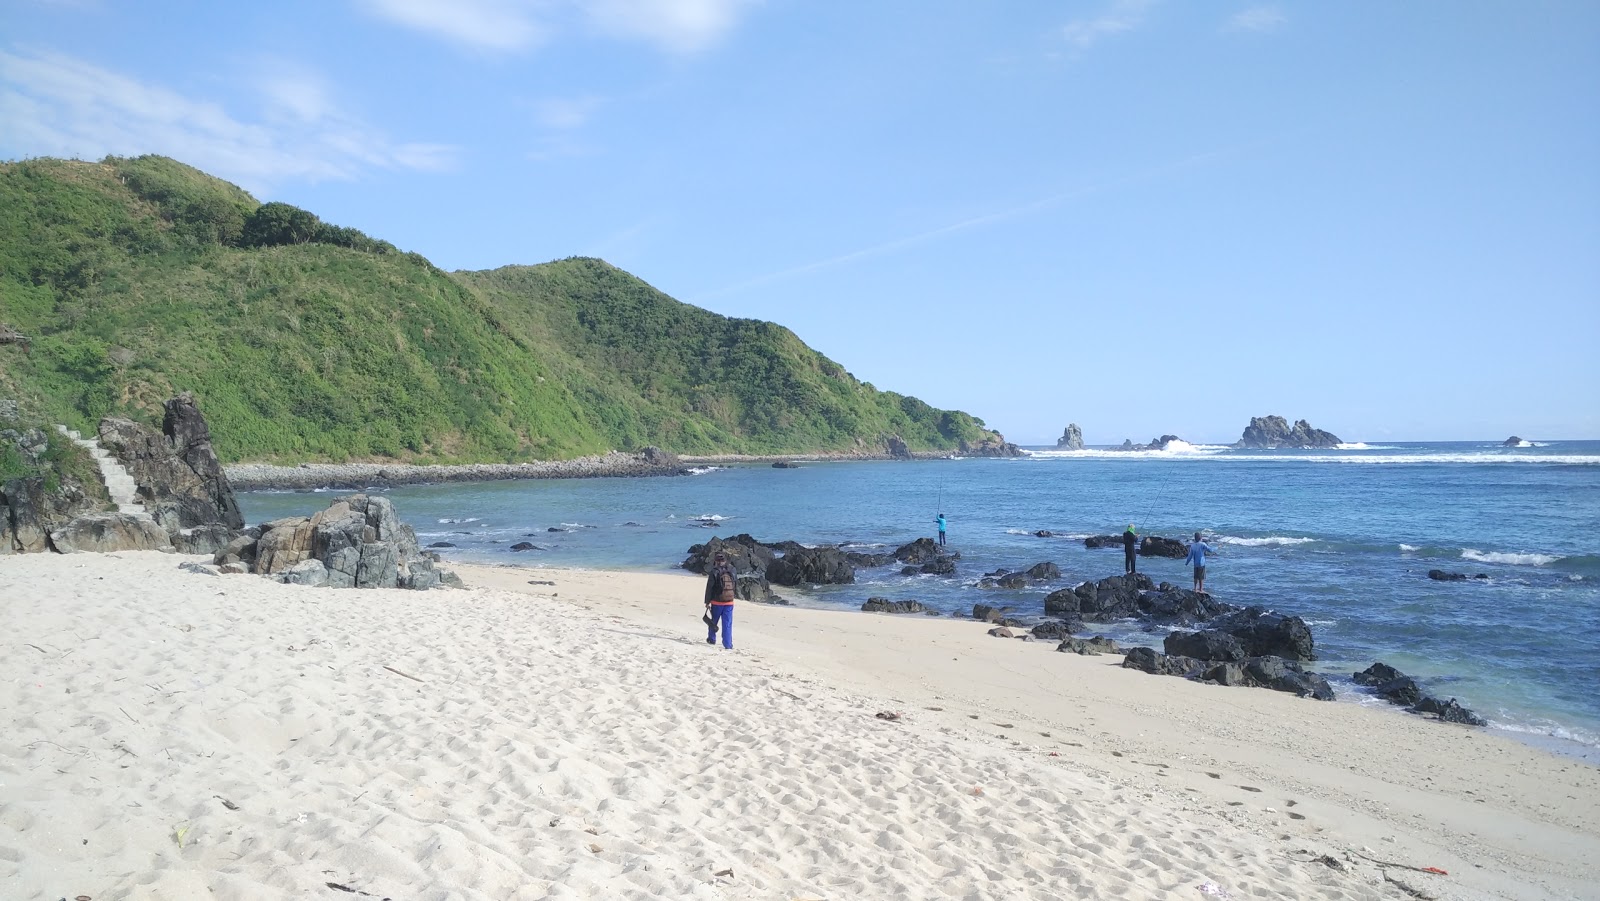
(616, 464)
(551, 733)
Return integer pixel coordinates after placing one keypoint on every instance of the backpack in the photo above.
(728, 592)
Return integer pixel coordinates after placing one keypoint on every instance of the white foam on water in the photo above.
(701, 470)
(1408, 549)
(1270, 541)
(711, 517)
(1550, 729)
(1478, 556)
(1222, 453)
(467, 519)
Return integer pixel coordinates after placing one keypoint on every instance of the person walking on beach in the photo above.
(1197, 559)
(940, 521)
(721, 589)
(1130, 547)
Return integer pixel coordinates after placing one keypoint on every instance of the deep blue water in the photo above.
(1342, 538)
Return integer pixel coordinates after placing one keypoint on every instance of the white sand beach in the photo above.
(174, 735)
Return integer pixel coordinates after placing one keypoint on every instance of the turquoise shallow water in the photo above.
(1342, 538)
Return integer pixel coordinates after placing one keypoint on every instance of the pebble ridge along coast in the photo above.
(255, 476)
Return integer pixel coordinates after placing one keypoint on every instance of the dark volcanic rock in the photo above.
(944, 566)
(884, 605)
(443, 544)
(857, 558)
(1207, 645)
(1513, 441)
(817, 566)
(744, 553)
(1440, 575)
(1044, 570)
(1099, 541)
(525, 546)
(754, 587)
(1266, 432)
(1267, 634)
(1088, 647)
(1270, 672)
(1180, 606)
(1056, 629)
(1013, 580)
(784, 464)
(1156, 546)
(985, 614)
(1150, 661)
(920, 551)
(1044, 533)
(1449, 712)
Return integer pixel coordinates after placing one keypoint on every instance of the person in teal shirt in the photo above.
(940, 521)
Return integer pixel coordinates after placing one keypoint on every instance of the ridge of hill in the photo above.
(137, 278)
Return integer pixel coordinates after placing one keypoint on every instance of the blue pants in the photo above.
(721, 616)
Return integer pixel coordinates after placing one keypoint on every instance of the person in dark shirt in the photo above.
(1130, 550)
(721, 590)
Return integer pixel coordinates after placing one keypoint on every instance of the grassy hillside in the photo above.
(138, 278)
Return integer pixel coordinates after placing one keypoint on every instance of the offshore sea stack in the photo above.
(1071, 438)
(1271, 432)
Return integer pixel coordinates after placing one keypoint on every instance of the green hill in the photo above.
(138, 278)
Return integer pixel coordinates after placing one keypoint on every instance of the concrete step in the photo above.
(119, 484)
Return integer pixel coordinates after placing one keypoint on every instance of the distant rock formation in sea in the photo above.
(1270, 432)
(995, 446)
(1513, 441)
(1156, 444)
(1071, 438)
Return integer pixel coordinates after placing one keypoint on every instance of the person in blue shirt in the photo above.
(1197, 559)
(940, 521)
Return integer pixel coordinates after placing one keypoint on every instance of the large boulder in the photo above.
(1088, 647)
(1270, 672)
(992, 445)
(1151, 661)
(1156, 546)
(1043, 571)
(1071, 438)
(744, 553)
(358, 542)
(30, 511)
(1113, 598)
(1100, 541)
(1179, 606)
(1057, 629)
(923, 550)
(1267, 634)
(109, 532)
(884, 605)
(816, 566)
(1267, 432)
(1207, 645)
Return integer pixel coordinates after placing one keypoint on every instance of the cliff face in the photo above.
(1267, 432)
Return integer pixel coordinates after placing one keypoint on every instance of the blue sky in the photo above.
(1143, 217)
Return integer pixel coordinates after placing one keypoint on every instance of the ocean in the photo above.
(1342, 538)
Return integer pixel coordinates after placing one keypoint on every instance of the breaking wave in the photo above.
(1269, 541)
(1478, 556)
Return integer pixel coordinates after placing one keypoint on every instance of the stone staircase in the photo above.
(124, 491)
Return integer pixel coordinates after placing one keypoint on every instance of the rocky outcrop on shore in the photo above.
(1071, 438)
(357, 542)
(1270, 432)
(177, 478)
(996, 446)
(354, 476)
(1254, 672)
(1400, 689)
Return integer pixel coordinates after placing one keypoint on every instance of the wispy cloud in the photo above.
(1257, 18)
(679, 26)
(1122, 16)
(59, 105)
(975, 222)
(493, 24)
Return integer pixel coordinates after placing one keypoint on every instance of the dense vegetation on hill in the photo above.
(138, 278)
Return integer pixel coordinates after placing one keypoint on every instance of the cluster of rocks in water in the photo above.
(1440, 575)
(1263, 432)
(1211, 641)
